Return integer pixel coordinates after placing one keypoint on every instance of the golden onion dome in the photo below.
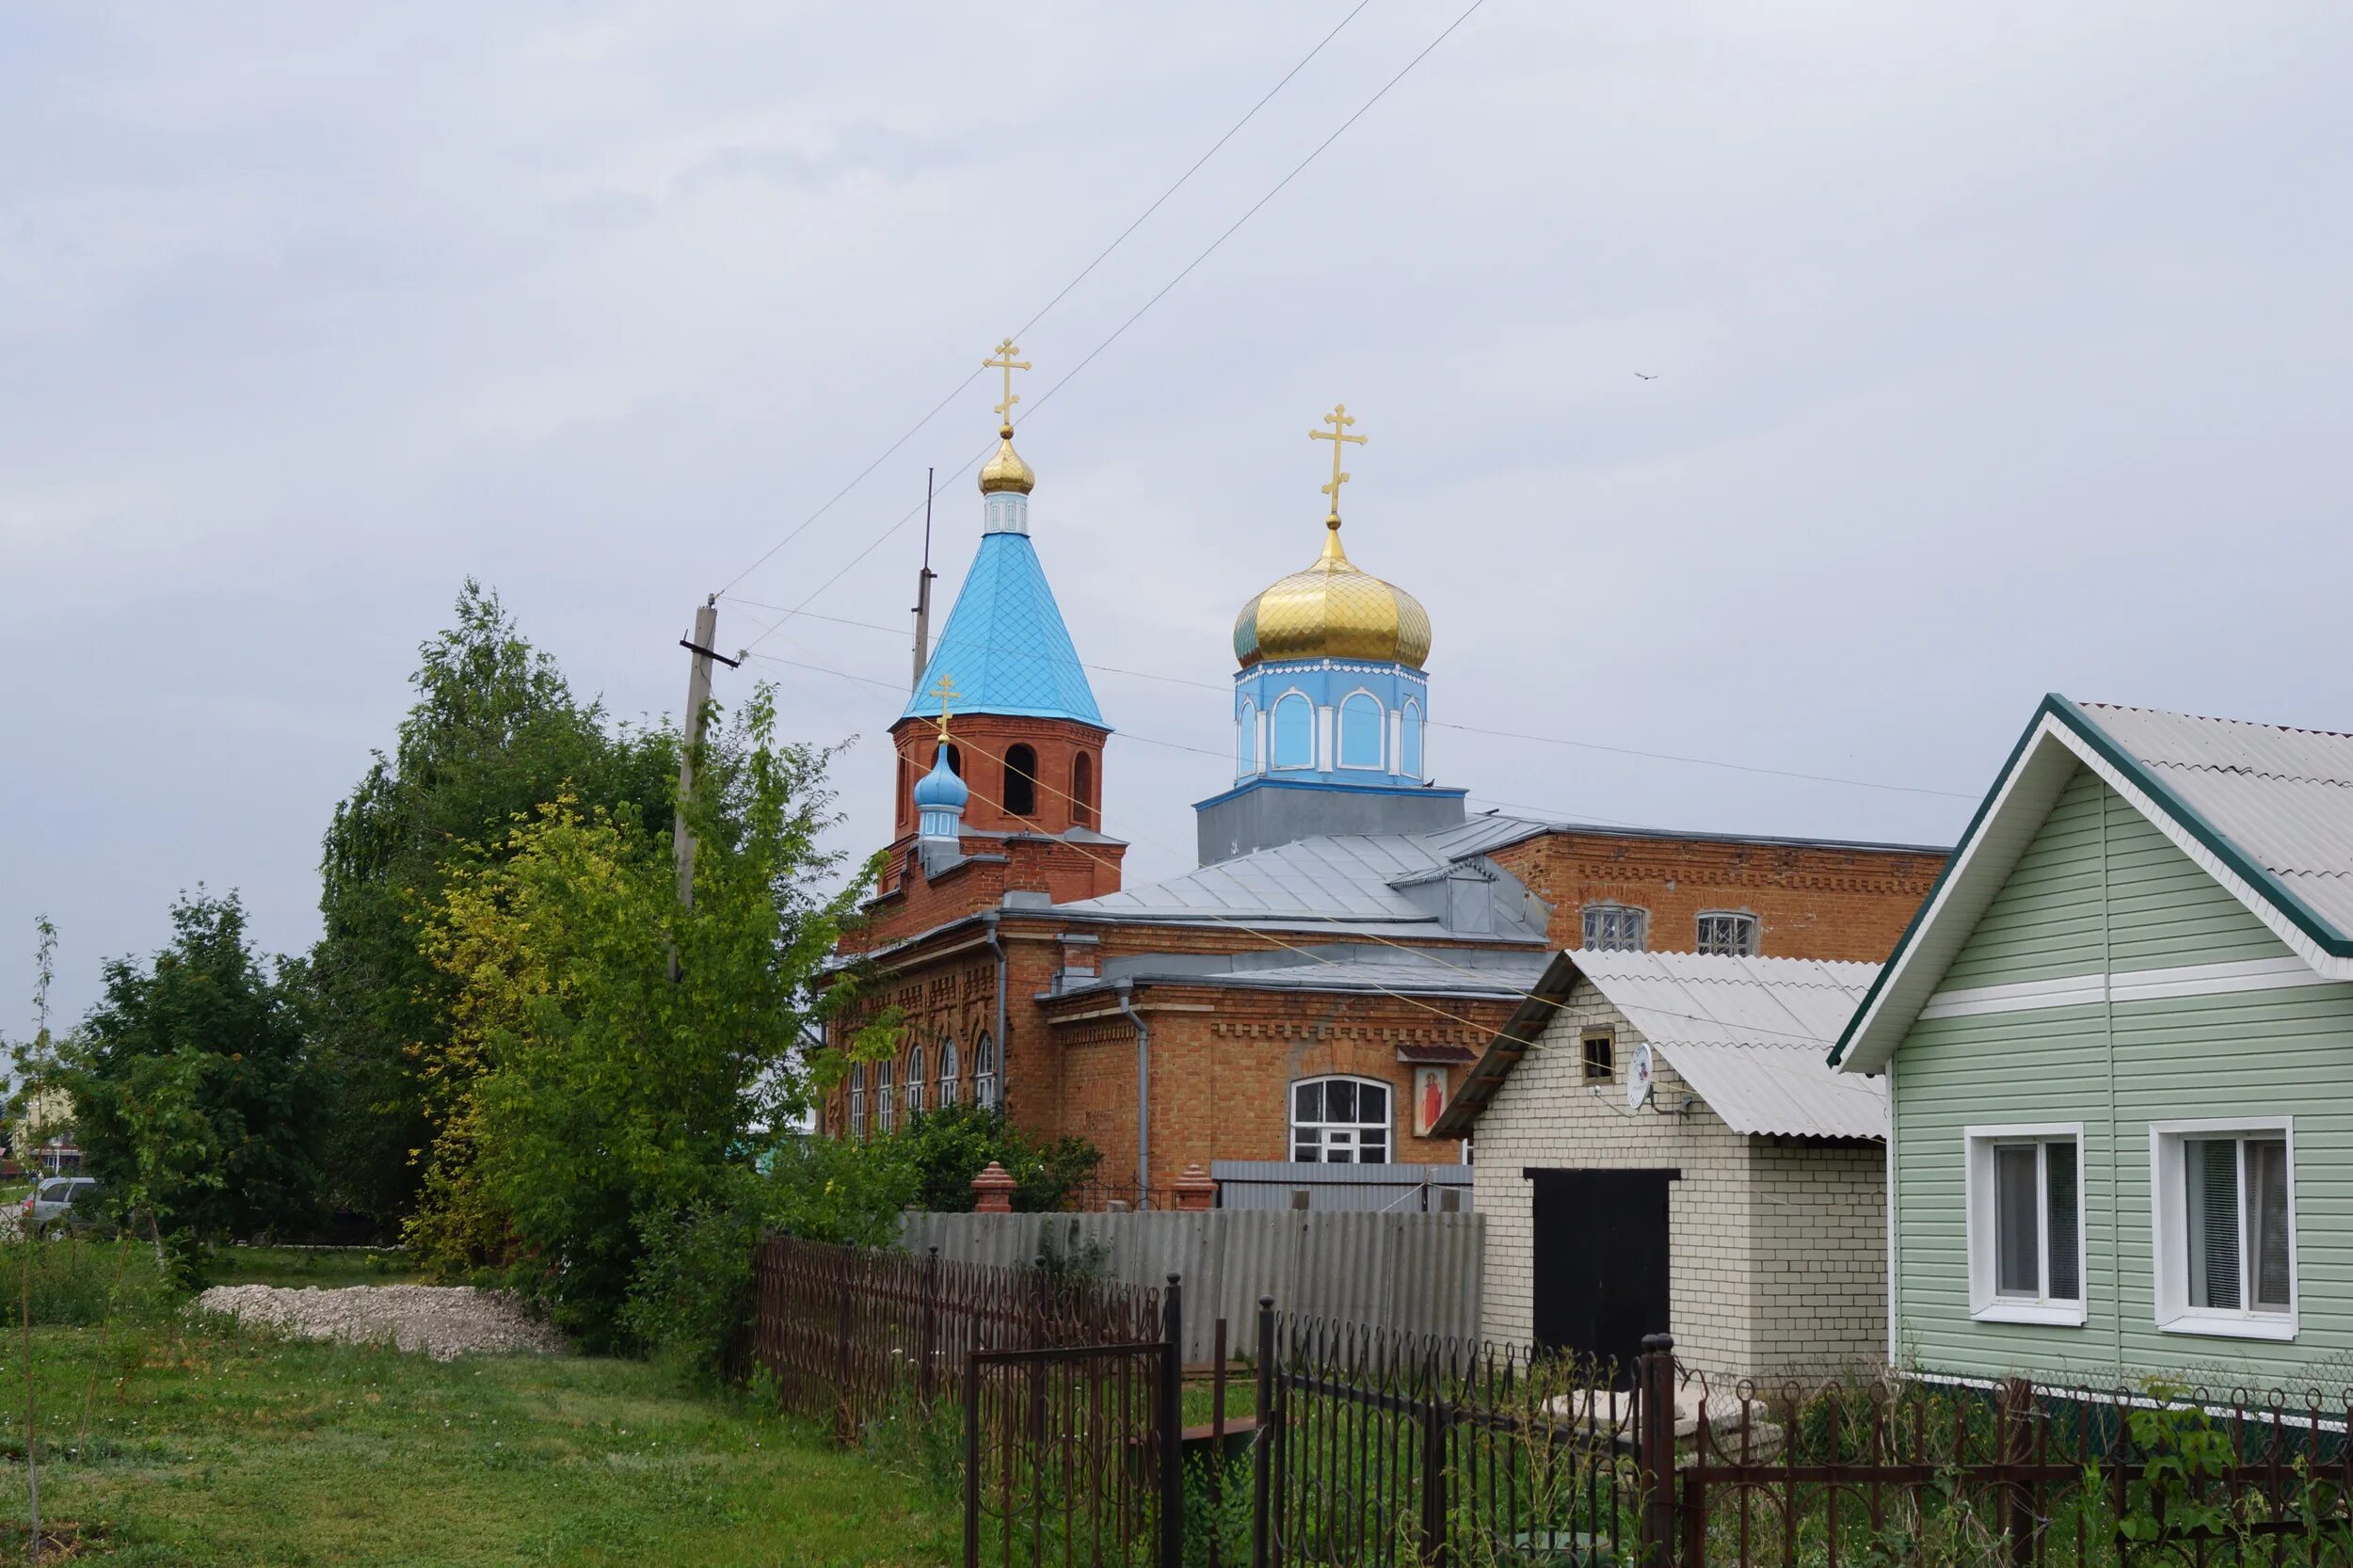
(1333, 609)
(1006, 470)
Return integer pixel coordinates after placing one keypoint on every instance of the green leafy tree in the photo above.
(193, 1094)
(588, 1091)
(941, 1151)
(495, 734)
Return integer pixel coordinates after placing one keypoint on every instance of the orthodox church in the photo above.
(1314, 992)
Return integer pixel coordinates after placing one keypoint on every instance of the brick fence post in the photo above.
(995, 1189)
(1195, 1190)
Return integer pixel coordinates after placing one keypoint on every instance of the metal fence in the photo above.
(1411, 1271)
(1375, 1189)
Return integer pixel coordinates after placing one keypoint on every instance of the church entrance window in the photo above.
(948, 1075)
(1340, 1121)
(985, 1073)
(1361, 720)
(1247, 741)
(1294, 732)
(1020, 781)
(1409, 741)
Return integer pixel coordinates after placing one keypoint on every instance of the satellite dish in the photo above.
(1637, 1079)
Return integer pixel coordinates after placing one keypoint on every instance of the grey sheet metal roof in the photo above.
(2283, 796)
(1751, 1035)
(1353, 880)
(1486, 974)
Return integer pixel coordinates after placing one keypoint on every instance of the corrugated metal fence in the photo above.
(1386, 1188)
(1410, 1272)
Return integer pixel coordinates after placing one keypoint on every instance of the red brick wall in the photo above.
(981, 740)
(1812, 902)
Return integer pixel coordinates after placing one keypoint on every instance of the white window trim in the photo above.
(2165, 1212)
(1247, 726)
(1641, 912)
(1985, 1305)
(1421, 739)
(1275, 730)
(1339, 743)
(1387, 1124)
(1754, 927)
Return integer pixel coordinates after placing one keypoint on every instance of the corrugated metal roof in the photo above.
(1751, 1035)
(2283, 796)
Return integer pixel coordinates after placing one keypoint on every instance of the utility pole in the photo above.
(697, 699)
(924, 592)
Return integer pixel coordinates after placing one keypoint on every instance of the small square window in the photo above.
(1601, 1056)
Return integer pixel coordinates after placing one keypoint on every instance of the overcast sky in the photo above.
(1999, 348)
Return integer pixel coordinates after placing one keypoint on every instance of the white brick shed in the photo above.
(1742, 1208)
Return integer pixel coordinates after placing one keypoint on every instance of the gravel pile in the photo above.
(443, 1320)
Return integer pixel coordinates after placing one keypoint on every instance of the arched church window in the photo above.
(1083, 790)
(1409, 740)
(915, 1082)
(1294, 732)
(882, 1096)
(1021, 796)
(955, 760)
(948, 1066)
(858, 1100)
(1340, 1121)
(1247, 741)
(1361, 719)
(985, 1073)
(906, 793)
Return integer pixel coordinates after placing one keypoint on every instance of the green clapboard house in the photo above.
(2119, 1048)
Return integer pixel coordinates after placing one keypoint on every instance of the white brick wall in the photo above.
(1777, 1248)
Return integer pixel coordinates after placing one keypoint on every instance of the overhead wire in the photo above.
(1138, 314)
(1060, 294)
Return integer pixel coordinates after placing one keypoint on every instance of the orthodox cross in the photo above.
(946, 691)
(1003, 359)
(1339, 419)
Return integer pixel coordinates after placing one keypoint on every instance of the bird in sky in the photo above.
(1639, 377)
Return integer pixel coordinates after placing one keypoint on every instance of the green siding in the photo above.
(2116, 1068)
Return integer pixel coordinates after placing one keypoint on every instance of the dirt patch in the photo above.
(444, 1321)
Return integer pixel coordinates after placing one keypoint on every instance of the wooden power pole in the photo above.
(697, 699)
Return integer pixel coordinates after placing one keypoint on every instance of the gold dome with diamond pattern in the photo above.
(1333, 609)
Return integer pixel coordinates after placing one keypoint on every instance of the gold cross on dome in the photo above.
(1003, 359)
(1339, 419)
(945, 689)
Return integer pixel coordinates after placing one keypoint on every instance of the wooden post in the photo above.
(1654, 1385)
(972, 1459)
(1434, 1423)
(931, 1325)
(2016, 1414)
(697, 699)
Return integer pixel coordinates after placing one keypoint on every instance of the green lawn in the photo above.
(209, 1446)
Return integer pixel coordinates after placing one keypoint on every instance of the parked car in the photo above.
(75, 1204)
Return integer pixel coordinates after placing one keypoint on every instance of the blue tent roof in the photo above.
(1005, 644)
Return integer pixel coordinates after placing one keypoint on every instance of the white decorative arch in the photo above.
(1246, 740)
(1409, 740)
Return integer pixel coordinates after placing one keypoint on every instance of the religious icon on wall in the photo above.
(1429, 1098)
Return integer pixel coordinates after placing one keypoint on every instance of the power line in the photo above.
(1059, 296)
(1434, 724)
(1139, 312)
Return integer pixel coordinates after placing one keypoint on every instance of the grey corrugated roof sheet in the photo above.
(1751, 1035)
(1461, 973)
(2283, 796)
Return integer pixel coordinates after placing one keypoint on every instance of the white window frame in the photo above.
(2168, 1223)
(883, 1086)
(1380, 763)
(1349, 1135)
(984, 1071)
(1275, 732)
(1611, 906)
(1985, 1305)
(1744, 920)
(914, 1082)
(858, 1100)
(951, 1061)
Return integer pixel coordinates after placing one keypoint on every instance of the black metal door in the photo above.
(1600, 1264)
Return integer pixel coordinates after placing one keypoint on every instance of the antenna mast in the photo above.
(924, 592)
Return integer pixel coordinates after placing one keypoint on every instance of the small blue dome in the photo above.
(940, 790)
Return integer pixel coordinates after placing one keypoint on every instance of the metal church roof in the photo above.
(1006, 646)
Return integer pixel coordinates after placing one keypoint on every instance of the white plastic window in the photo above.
(914, 1082)
(2025, 1190)
(882, 1097)
(857, 1101)
(1340, 1121)
(985, 1074)
(2225, 1228)
(948, 1074)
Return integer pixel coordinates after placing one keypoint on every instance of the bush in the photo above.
(944, 1150)
(82, 1284)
